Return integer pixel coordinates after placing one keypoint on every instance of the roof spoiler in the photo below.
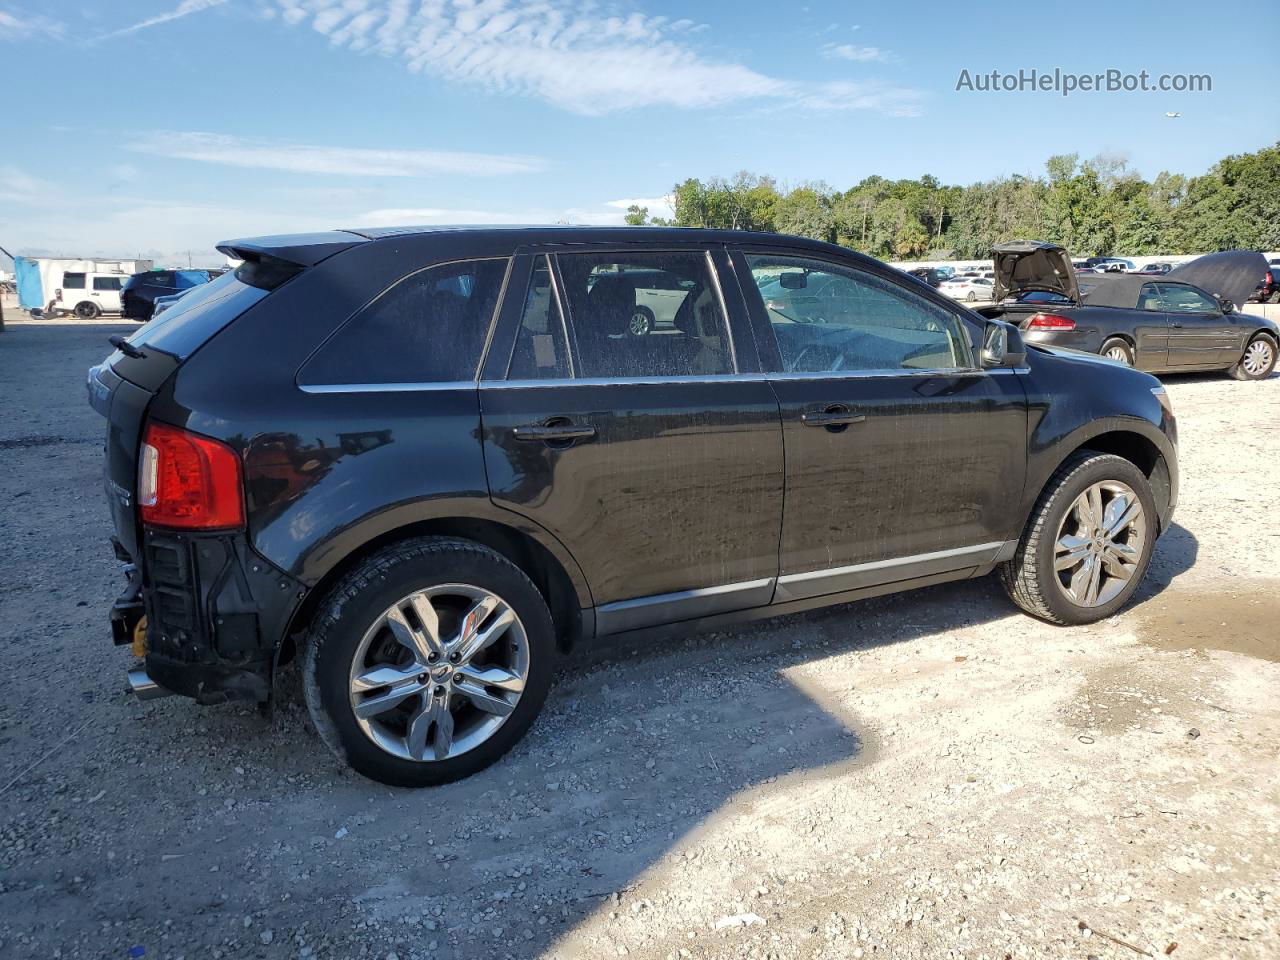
(270, 261)
(298, 249)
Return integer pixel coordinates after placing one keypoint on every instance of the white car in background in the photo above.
(969, 289)
(88, 295)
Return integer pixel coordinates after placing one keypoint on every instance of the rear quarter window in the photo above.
(428, 327)
(193, 320)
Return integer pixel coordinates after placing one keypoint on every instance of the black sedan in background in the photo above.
(1185, 320)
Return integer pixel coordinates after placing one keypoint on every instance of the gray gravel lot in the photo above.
(931, 775)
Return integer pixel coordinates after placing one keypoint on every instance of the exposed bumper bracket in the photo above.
(144, 688)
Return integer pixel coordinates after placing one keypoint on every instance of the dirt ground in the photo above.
(932, 775)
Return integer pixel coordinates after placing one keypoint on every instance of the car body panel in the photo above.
(1022, 267)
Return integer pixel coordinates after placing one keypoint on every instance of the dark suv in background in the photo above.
(138, 297)
(427, 460)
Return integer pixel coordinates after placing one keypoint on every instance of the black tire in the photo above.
(642, 320)
(361, 596)
(87, 310)
(972, 297)
(1030, 578)
(1259, 341)
(1118, 349)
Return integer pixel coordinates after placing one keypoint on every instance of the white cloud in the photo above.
(20, 26)
(308, 158)
(414, 216)
(857, 54)
(17, 186)
(842, 95)
(577, 57)
(185, 8)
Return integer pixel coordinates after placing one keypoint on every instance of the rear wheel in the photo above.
(1088, 542)
(972, 297)
(1118, 350)
(87, 310)
(1257, 361)
(428, 662)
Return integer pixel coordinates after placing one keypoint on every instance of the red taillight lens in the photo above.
(1050, 321)
(189, 481)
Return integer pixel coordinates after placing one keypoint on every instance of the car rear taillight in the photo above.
(1050, 322)
(189, 482)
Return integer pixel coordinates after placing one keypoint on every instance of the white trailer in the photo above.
(58, 285)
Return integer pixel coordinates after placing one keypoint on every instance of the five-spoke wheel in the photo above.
(429, 661)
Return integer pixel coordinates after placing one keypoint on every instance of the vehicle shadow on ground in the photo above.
(642, 748)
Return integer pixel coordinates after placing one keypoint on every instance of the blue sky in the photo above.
(154, 127)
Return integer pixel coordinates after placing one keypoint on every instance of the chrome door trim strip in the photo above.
(795, 586)
(682, 605)
(386, 387)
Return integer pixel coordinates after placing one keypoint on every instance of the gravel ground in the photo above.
(924, 776)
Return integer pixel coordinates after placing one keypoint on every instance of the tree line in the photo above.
(1092, 207)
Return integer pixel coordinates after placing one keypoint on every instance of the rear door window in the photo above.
(429, 327)
(646, 315)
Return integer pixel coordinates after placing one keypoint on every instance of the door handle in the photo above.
(835, 415)
(555, 432)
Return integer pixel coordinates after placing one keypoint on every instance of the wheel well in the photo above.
(1121, 336)
(1142, 453)
(535, 560)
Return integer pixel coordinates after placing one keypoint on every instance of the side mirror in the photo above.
(1002, 346)
(1226, 305)
(793, 280)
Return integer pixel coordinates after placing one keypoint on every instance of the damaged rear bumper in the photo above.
(213, 614)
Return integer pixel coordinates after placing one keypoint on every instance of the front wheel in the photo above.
(1088, 542)
(428, 662)
(1118, 350)
(1257, 361)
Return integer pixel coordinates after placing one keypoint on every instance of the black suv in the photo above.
(427, 460)
(138, 297)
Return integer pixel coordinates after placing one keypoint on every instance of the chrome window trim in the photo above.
(882, 374)
(624, 381)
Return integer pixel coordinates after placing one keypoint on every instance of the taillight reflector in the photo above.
(1050, 321)
(189, 482)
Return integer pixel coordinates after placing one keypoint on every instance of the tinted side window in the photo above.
(646, 315)
(829, 318)
(427, 328)
(1180, 299)
(540, 352)
(106, 283)
(73, 281)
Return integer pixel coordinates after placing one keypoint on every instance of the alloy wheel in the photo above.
(1118, 354)
(1257, 358)
(439, 672)
(639, 323)
(1099, 544)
